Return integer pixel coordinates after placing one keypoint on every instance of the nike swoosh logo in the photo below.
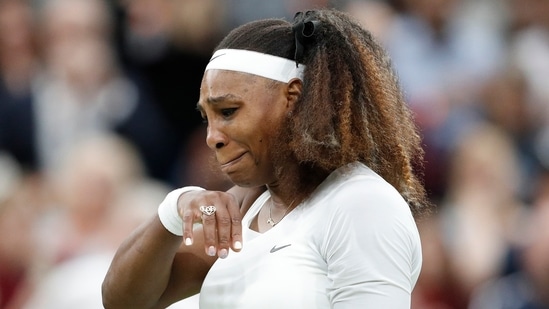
(275, 248)
(216, 57)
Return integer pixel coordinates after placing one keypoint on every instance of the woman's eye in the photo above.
(227, 112)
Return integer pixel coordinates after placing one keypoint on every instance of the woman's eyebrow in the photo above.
(218, 99)
(223, 98)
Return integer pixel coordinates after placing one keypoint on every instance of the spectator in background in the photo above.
(13, 250)
(529, 53)
(17, 48)
(80, 90)
(377, 15)
(94, 173)
(442, 56)
(505, 102)
(21, 200)
(528, 288)
(100, 195)
(529, 48)
(442, 52)
(438, 286)
(239, 12)
(18, 64)
(166, 45)
(481, 213)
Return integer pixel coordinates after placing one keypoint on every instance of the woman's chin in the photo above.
(244, 180)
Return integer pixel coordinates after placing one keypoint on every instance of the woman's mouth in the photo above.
(225, 167)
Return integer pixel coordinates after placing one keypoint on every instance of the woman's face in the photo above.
(244, 113)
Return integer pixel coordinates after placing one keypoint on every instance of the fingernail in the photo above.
(223, 253)
(211, 251)
(188, 241)
(237, 245)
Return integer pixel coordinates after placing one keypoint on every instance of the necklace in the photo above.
(270, 219)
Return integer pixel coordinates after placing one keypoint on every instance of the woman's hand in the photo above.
(222, 229)
(153, 269)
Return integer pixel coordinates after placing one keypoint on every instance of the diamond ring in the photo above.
(208, 210)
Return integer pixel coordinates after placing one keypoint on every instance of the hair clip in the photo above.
(304, 29)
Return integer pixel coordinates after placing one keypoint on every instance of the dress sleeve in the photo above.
(371, 246)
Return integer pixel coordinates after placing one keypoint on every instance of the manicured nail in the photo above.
(188, 241)
(237, 245)
(223, 253)
(211, 251)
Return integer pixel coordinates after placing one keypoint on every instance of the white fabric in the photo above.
(64, 116)
(168, 213)
(251, 62)
(353, 244)
(75, 283)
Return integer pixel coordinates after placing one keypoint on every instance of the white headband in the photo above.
(251, 62)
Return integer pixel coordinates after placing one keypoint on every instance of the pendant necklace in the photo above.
(270, 219)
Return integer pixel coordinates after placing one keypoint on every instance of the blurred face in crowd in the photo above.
(76, 41)
(148, 17)
(67, 22)
(15, 26)
(434, 12)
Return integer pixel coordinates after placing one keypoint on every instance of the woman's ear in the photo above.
(293, 92)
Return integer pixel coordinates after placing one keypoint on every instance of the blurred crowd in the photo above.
(98, 122)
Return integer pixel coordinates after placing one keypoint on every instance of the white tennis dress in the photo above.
(353, 244)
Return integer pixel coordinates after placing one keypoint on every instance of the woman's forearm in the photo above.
(153, 269)
(140, 271)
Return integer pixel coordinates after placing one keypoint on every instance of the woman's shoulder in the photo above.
(359, 202)
(357, 179)
(356, 185)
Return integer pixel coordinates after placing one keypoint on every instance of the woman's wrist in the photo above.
(168, 212)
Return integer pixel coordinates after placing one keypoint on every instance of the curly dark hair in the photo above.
(351, 108)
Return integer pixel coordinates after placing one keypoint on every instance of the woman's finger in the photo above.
(210, 231)
(219, 213)
(223, 228)
(235, 225)
(188, 217)
(189, 214)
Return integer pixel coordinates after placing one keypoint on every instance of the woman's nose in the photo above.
(215, 138)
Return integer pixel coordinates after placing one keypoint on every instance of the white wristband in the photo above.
(168, 212)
